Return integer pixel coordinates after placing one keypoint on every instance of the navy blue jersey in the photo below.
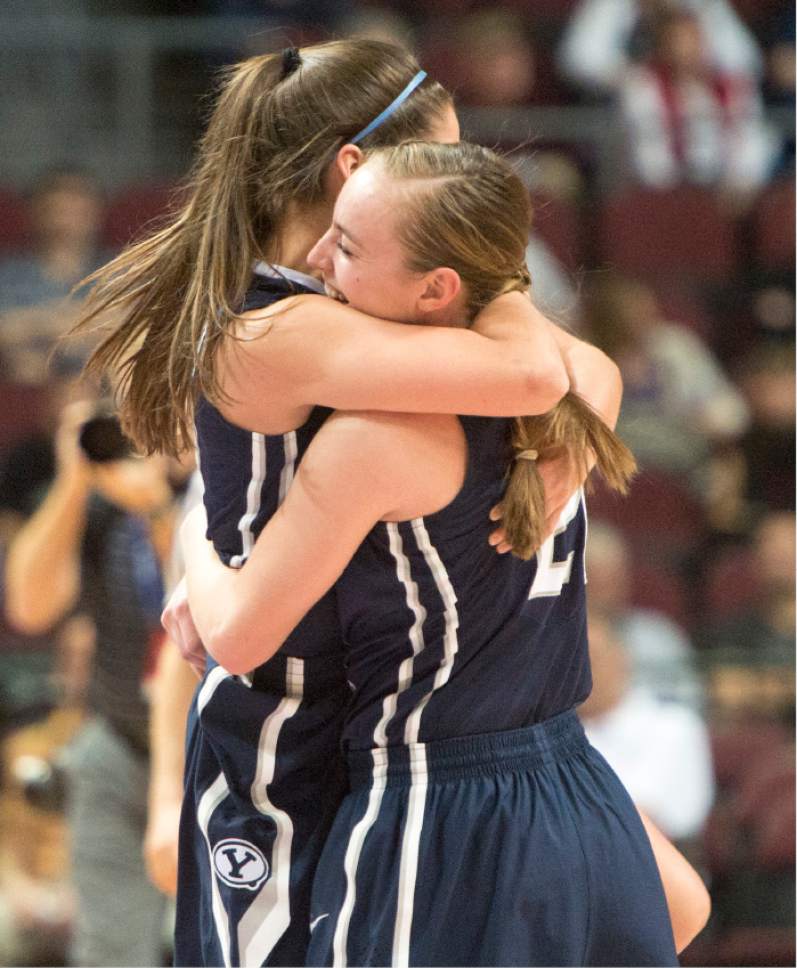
(264, 771)
(247, 475)
(447, 638)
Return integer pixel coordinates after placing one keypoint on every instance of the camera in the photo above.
(102, 438)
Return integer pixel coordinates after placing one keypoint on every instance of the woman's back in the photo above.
(445, 637)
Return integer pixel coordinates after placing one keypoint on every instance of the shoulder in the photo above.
(414, 462)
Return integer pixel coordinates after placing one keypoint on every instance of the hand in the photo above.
(561, 478)
(160, 845)
(179, 625)
(72, 463)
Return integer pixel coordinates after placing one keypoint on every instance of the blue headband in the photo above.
(390, 109)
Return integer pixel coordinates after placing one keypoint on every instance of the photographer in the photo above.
(97, 543)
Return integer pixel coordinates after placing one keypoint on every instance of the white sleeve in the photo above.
(733, 47)
(647, 134)
(593, 49)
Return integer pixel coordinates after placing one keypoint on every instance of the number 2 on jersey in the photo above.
(552, 575)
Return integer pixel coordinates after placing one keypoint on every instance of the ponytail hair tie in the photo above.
(291, 59)
(527, 455)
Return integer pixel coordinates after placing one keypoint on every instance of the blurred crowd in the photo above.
(679, 263)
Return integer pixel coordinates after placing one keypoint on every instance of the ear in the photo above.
(442, 286)
(346, 161)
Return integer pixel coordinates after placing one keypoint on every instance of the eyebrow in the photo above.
(345, 232)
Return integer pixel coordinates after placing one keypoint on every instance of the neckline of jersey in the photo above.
(283, 272)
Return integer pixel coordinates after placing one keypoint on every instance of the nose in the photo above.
(318, 257)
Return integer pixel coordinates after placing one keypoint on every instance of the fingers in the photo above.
(498, 541)
(496, 513)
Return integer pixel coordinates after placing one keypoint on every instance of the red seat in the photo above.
(558, 223)
(680, 231)
(659, 589)
(14, 221)
(730, 583)
(135, 209)
(773, 226)
(661, 518)
(23, 410)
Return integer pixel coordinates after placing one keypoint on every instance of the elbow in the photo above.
(545, 388)
(236, 650)
(25, 618)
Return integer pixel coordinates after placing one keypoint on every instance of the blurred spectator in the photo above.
(493, 60)
(659, 750)
(604, 37)
(677, 401)
(378, 23)
(751, 648)
(66, 212)
(688, 122)
(662, 658)
(99, 537)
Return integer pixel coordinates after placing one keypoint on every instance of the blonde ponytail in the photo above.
(572, 426)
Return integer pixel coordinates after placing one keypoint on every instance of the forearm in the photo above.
(43, 564)
(172, 691)
(592, 374)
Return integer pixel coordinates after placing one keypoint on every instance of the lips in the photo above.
(334, 293)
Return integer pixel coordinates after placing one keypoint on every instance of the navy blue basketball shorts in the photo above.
(512, 848)
(263, 778)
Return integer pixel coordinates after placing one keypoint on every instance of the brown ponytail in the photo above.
(573, 426)
(167, 302)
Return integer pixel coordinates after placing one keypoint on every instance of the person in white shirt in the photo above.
(659, 750)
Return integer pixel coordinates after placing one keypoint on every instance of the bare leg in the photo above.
(688, 900)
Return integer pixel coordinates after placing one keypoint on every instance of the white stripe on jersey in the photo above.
(450, 640)
(360, 830)
(253, 493)
(211, 798)
(268, 916)
(291, 450)
(411, 840)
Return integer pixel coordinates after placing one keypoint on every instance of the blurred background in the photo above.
(657, 141)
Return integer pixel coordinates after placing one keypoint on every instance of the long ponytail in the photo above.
(572, 425)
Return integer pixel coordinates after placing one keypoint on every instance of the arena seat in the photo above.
(729, 584)
(773, 226)
(678, 231)
(14, 223)
(661, 517)
(659, 589)
(558, 223)
(134, 208)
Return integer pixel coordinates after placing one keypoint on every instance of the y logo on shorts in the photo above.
(240, 864)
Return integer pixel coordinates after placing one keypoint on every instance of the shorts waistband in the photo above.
(483, 754)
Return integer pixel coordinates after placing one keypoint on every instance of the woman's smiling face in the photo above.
(361, 257)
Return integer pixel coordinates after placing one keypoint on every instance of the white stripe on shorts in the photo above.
(269, 915)
(211, 798)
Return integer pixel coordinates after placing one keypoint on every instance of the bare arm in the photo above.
(318, 351)
(42, 571)
(172, 689)
(355, 472)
